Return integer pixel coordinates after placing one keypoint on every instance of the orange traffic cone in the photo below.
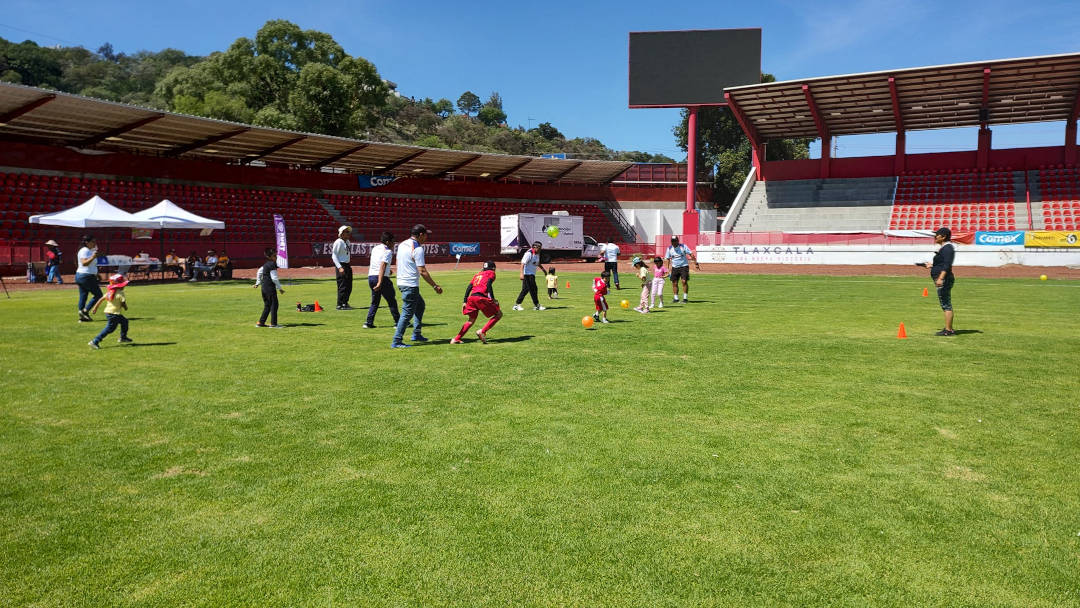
(568, 284)
(902, 333)
(925, 292)
(317, 307)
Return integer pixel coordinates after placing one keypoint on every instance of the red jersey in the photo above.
(481, 284)
(599, 287)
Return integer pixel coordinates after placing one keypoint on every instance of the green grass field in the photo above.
(771, 443)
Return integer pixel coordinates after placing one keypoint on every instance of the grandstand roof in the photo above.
(1032, 89)
(49, 117)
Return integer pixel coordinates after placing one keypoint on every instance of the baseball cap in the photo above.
(343, 229)
(945, 232)
(117, 281)
(51, 242)
(419, 229)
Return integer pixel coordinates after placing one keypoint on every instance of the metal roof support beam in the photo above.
(23, 109)
(822, 129)
(756, 145)
(563, 174)
(511, 170)
(272, 149)
(195, 145)
(444, 172)
(100, 137)
(333, 159)
(901, 135)
(982, 158)
(1070, 130)
(398, 163)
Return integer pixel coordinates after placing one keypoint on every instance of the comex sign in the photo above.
(375, 181)
(1015, 237)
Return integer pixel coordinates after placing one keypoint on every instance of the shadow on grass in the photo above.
(137, 344)
(961, 332)
(302, 324)
(140, 318)
(510, 339)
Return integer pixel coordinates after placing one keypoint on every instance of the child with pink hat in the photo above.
(115, 304)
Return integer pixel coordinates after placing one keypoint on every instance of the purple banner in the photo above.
(282, 245)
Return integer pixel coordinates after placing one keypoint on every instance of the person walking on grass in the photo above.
(86, 277)
(115, 305)
(379, 280)
(600, 289)
(646, 284)
(529, 263)
(610, 254)
(341, 256)
(267, 277)
(942, 275)
(53, 257)
(410, 267)
(480, 298)
(660, 273)
(676, 259)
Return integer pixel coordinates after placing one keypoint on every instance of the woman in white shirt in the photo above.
(86, 277)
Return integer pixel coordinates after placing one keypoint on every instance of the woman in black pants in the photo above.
(529, 263)
(267, 277)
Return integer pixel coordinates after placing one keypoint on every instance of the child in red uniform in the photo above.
(479, 298)
(600, 289)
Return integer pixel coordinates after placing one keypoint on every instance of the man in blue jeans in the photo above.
(410, 267)
(86, 277)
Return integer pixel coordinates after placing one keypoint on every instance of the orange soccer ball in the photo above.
(586, 322)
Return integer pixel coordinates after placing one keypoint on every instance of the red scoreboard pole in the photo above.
(690, 222)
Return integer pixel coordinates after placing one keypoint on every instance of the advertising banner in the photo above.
(1052, 238)
(374, 181)
(363, 250)
(282, 244)
(142, 233)
(464, 248)
(1011, 237)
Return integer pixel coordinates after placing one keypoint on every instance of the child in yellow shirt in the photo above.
(552, 283)
(115, 303)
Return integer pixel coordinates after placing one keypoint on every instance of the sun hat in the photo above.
(52, 242)
(344, 228)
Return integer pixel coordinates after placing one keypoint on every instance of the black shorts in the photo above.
(680, 272)
(944, 293)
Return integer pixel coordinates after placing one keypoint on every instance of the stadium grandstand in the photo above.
(60, 149)
(894, 201)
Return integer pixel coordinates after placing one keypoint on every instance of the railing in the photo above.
(709, 239)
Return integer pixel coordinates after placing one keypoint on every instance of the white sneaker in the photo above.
(539, 308)
(638, 309)
(454, 340)
(604, 321)
(661, 305)
(676, 298)
(685, 299)
(517, 307)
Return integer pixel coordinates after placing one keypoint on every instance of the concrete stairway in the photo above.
(826, 205)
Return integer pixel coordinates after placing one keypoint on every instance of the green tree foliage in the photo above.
(723, 148)
(293, 79)
(468, 103)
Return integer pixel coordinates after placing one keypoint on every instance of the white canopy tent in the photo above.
(168, 214)
(94, 213)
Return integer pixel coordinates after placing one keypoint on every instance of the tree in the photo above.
(723, 147)
(491, 116)
(547, 131)
(444, 108)
(468, 103)
(494, 101)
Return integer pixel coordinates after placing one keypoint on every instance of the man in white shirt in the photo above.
(341, 256)
(529, 263)
(676, 259)
(86, 277)
(610, 254)
(379, 280)
(410, 267)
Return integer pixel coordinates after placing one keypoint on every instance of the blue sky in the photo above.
(566, 62)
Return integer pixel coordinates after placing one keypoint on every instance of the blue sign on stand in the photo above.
(464, 248)
(1011, 237)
